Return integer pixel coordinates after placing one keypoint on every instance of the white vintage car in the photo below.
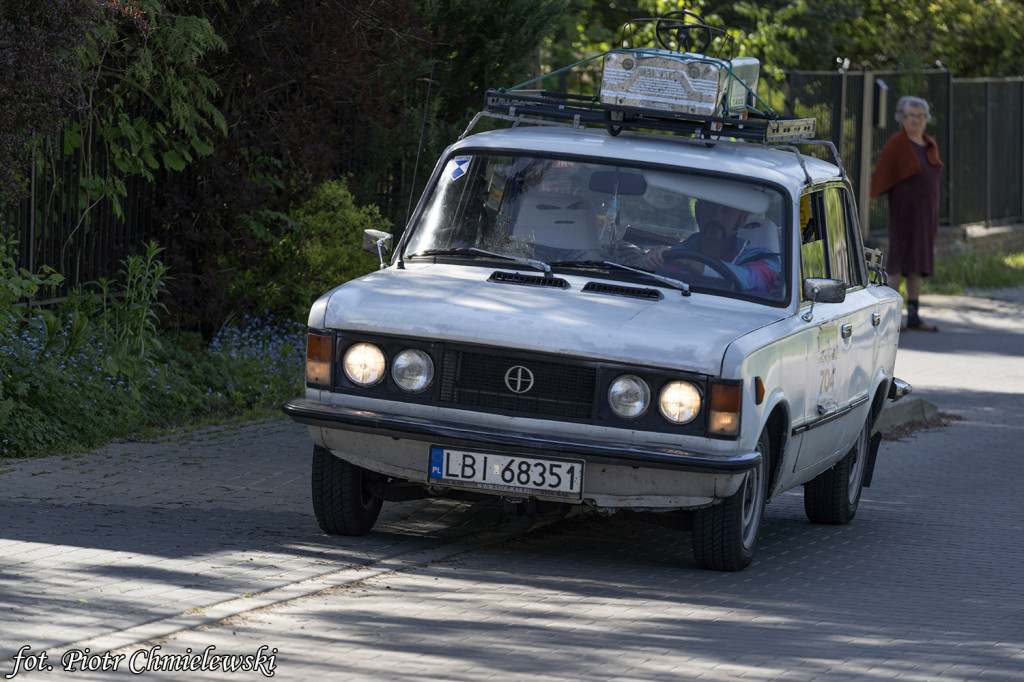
(623, 321)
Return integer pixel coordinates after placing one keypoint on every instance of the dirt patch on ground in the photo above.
(905, 431)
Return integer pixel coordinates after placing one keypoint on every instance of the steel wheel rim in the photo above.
(753, 494)
(857, 466)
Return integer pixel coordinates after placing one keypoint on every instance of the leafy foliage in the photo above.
(18, 283)
(305, 92)
(41, 84)
(151, 99)
(95, 368)
(320, 251)
(973, 38)
(315, 91)
(481, 44)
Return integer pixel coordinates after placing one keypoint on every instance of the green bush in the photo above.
(17, 283)
(55, 397)
(98, 367)
(320, 249)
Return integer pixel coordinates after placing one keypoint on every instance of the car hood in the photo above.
(459, 304)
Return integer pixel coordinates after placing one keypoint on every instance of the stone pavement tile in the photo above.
(137, 532)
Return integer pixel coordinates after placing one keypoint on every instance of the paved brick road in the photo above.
(211, 542)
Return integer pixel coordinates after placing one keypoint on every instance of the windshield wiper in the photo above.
(668, 281)
(530, 262)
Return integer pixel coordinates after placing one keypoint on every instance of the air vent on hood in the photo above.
(618, 290)
(528, 280)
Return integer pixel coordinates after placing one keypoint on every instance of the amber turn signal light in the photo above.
(319, 358)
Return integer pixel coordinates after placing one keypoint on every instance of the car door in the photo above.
(859, 320)
(838, 335)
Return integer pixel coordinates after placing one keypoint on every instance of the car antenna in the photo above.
(419, 146)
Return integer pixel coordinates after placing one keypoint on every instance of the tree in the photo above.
(315, 90)
(41, 84)
(971, 37)
(150, 98)
(309, 90)
(981, 37)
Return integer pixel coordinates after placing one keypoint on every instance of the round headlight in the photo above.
(412, 370)
(364, 364)
(629, 396)
(679, 402)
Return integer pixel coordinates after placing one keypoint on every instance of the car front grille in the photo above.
(518, 384)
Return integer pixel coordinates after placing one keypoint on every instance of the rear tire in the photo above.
(832, 496)
(725, 534)
(342, 499)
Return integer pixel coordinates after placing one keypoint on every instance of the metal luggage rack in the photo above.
(685, 39)
(522, 106)
(566, 109)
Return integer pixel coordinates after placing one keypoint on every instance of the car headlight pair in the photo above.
(365, 365)
(629, 397)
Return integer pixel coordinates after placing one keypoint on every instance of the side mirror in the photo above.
(378, 242)
(822, 291)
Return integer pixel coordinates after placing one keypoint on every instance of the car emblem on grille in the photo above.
(519, 379)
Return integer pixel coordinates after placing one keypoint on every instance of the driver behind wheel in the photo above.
(756, 268)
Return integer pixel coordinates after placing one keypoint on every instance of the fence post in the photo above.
(988, 153)
(866, 137)
(31, 246)
(950, 152)
(839, 113)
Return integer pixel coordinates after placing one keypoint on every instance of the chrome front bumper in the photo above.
(620, 474)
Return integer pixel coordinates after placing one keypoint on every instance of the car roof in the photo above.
(781, 165)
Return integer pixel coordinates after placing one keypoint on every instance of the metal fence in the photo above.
(57, 225)
(978, 124)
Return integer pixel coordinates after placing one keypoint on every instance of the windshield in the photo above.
(717, 235)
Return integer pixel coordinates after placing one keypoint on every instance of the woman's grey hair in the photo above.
(908, 101)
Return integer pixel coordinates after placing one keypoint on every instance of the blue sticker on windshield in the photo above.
(461, 162)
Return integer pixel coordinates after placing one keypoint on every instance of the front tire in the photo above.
(725, 534)
(832, 496)
(342, 499)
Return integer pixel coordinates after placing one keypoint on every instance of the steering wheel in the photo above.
(684, 29)
(718, 266)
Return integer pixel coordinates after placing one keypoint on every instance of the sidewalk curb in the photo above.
(906, 411)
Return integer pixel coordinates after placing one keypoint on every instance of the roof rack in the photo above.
(525, 105)
(676, 88)
(566, 109)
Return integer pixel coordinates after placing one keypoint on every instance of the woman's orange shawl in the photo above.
(898, 162)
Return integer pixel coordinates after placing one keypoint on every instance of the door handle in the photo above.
(876, 319)
(847, 330)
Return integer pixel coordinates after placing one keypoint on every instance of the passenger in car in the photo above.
(756, 267)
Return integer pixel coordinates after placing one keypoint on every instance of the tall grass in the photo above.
(970, 272)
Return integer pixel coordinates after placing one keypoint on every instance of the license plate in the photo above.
(509, 473)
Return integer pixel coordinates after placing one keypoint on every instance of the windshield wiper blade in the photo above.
(668, 281)
(530, 262)
(536, 264)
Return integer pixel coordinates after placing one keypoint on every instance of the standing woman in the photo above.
(908, 170)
